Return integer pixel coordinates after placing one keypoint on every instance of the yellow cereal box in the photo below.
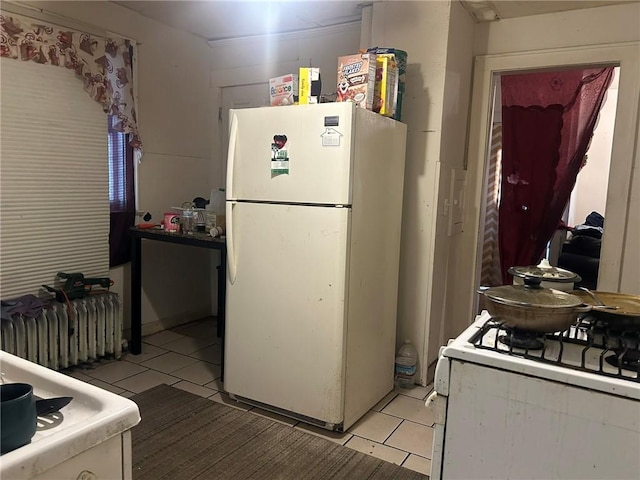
(400, 56)
(356, 79)
(310, 85)
(386, 86)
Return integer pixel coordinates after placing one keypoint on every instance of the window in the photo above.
(52, 197)
(119, 153)
(121, 193)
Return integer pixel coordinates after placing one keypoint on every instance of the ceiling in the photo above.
(216, 20)
(220, 19)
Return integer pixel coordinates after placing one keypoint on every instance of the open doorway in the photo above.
(620, 257)
(577, 244)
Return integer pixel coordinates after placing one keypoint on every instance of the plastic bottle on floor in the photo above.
(406, 364)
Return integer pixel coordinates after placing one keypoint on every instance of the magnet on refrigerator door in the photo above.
(279, 156)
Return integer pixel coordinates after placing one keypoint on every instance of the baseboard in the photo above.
(150, 328)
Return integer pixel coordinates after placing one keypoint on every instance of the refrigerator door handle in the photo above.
(231, 253)
(231, 155)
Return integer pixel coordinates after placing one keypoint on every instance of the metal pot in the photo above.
(533, 308)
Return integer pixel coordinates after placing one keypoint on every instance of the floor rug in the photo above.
(185, 437)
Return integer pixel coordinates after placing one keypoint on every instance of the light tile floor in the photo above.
(399, 429)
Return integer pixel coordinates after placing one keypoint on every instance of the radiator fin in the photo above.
(58, 340)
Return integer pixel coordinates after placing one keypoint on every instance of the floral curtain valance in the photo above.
(104, 64)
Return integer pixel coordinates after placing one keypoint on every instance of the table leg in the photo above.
(136, 295)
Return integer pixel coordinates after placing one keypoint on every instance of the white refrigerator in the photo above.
(313, 218)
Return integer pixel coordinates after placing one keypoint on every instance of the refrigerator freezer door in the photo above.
(294, 154)
(284, 337)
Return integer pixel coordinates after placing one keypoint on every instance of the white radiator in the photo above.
(58, 340)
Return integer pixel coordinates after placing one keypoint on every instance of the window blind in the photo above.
(54, 179)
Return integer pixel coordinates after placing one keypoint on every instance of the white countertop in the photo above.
(93, 416)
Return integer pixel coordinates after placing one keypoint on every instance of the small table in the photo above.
(202, 240)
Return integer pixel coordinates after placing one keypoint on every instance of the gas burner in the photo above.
(615, 330)
(627, 360)
(521, 339)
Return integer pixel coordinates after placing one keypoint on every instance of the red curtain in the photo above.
(547, 123)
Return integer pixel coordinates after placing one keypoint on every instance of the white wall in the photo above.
(405, 25)
(455, 124)
(176, 118)
(630, 275)
(575, 28)
(438, 37)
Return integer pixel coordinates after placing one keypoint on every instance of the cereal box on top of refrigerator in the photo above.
(401, 62)
(356, 79)
(284, 90)
(310, 85)
(386, 88)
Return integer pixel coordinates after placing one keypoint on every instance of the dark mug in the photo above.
(18, 415)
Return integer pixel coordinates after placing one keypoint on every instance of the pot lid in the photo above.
(526, 296)
(545, 272)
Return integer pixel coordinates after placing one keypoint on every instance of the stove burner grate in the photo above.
(625, 359)
(593, 338)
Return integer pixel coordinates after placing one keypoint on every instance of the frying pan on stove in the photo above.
(625, 317)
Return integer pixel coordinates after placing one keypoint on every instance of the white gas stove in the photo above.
(88, 439)
(565, 405)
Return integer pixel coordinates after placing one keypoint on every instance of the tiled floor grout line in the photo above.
(390, 400)
(353, 435)
(394, 430)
